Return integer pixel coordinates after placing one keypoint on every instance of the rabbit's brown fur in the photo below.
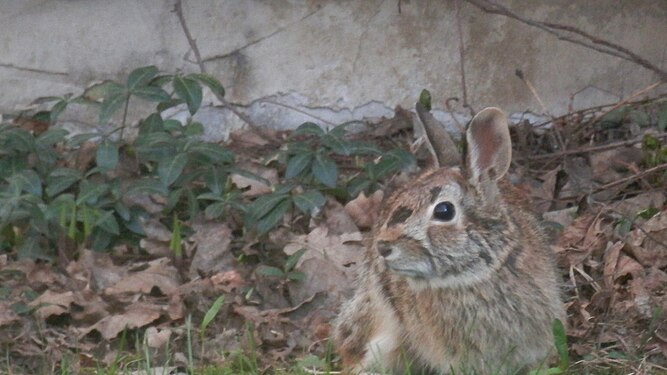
(475, 294)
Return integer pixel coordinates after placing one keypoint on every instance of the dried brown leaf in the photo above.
(252, 186)
(159, 274)
(610, 263)
(7, 315)
(157, 339)
(136, 316)
(341, 250)
(337, 219)
(52, 303)
(649, 243)
(212, 242)
(364, 210)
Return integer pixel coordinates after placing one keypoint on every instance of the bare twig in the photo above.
(178, 9)
(295, 109)
(626, 101)
(573, 35)
(585, 150)
(519, 73)
(637, 176)
(461, 53)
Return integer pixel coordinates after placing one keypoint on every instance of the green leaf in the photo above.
(151, 93)
(100, 240)
(90, 192)
(357, 185)
(103, 90)
(272, 218)
(560, 341)
(212, 151)
(211, 313)
(31, 249)
(308, 128)
(264, 204)
(651, 143)
(215, 178)
(640, 118)
(28, 180)
(296, 276)
(309, 202)
(107, 222)
(215, 210)
(170, 170)
(18, 139)
(211, 82)
(141, 76)
(648, 213)
(616, 116)
(188, 90)
(175, 243)
(337, 144)
(662, 118)
(269, 271)
(363, 148)
(293, 259)
(425, 99)
(78, 139)
(325, 170)
(51, 137)
(172, 125)
(56, 110)
(193, 129)
(151, 124)
(147, 186)
(297, 163)
(110, 105)
(61, 179)
(107, 155)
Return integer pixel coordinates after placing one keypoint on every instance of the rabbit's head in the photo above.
(450, 226)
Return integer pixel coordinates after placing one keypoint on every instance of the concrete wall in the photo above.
(335, 59)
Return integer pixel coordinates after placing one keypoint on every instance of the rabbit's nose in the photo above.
(384, 248)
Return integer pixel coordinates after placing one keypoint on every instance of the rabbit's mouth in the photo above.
(417, 270)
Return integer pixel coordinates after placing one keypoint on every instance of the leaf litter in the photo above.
(612, 252)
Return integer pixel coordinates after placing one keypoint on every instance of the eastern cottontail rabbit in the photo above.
(458, 278)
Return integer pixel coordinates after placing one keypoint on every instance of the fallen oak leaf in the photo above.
(7, 315)
(364, 210)
(136, 316)
(52, 303)
(159, 274)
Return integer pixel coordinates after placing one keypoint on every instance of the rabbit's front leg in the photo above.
(367, 334)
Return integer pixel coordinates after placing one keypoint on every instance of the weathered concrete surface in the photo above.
(336, 60)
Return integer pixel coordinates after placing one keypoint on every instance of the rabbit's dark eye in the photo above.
(444, 211)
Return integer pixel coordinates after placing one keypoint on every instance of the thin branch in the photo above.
(637, 176)
(571, 34)
(585, 150)
(178, 9)
(461, 53)
(626, 101)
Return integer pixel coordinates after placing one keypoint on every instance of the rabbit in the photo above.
(459, 278)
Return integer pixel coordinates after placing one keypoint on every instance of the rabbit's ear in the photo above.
(444, 148)
(489, 147)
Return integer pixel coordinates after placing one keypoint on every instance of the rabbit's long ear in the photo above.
(446, 152)
(489, 147)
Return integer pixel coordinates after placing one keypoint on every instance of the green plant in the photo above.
(287, 273)
(560, 342)
(311, 172)
(45, 197)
